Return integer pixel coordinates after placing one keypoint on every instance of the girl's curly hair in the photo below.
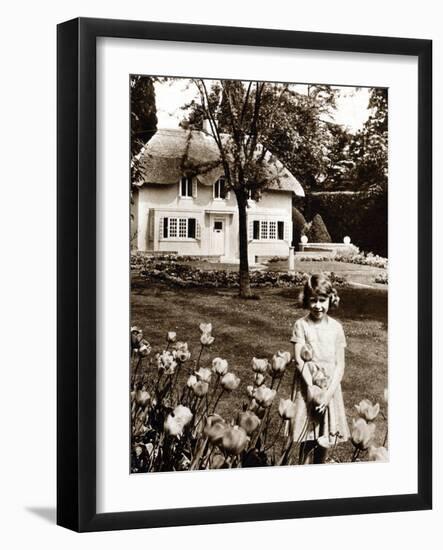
(319, 284)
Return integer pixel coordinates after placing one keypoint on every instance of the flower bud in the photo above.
(378, 454)
(264, 396)
(142, 398)
(362, 433)
(206, 339)
(144, 348)
(200, 388)
(286, 409)
(259, 378)
(279, 362)
(259, 365)
(192, 380)
(367, 410)
(171, 337)
(206, 328)
(230, 381)
(220, 366)
(248, 421)
(173, 426)
(215, 428)
(182, 414)
(166, 362)
(234, 440)
(136, 336)
(203, 374)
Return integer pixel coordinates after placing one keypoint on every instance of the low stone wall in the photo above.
(332, 248)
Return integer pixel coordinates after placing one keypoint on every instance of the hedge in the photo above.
(359, 215)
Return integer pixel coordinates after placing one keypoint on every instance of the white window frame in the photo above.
(217, 184)
(265, 229)
(178, 221)
(189, 187)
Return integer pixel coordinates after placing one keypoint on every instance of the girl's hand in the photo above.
(321, 408)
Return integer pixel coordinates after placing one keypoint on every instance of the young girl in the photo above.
(319, 351)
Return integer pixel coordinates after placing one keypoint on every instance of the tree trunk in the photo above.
(245, 288)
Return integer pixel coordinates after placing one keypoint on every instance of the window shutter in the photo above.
(256, 233)
(250, 230)
(163, 233)
(191, 228)
(280, 229)
(197, 230)
(194, 188)
(286, 226)
(222, 184)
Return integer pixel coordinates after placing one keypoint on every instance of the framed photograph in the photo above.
(244, 274)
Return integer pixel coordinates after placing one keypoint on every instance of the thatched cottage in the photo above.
(196, 215)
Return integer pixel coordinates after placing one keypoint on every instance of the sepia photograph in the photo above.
(258, 215)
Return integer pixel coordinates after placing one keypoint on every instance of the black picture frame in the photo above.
(77, 248)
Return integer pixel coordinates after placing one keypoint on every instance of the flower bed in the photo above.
(361, 258)
(175, 423)
(353, 257)
(173, 272)
(382, 279)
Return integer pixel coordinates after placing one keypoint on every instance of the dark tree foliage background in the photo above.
(143, 116)
(360, 210)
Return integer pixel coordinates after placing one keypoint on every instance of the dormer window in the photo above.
(220, 189)
(186, 187)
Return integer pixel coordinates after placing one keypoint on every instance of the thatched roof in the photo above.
(172, 153)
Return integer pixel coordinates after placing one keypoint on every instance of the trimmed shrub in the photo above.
(318, 232)
(298, 225)
(361, 215)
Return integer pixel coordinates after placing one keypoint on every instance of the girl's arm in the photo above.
(336, 378)
(300, 364)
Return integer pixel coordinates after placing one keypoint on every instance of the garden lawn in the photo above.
(247, 328)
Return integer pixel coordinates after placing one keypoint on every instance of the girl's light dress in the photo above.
(324, 338)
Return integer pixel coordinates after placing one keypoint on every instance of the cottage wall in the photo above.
(155, 202)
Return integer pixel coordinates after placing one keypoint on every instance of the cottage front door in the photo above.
(218, 237)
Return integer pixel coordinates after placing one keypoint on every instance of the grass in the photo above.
(244, 328)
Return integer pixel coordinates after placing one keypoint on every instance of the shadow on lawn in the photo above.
(355, 303)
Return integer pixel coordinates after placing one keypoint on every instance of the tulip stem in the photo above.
(218, 399)
(204, 411)
(136, 367)
(175, 381)
(268, 419)
(199, 355)
(272, 380)
(335, 444)
(257, 435)
(213, 393)
(208, 458)
(294, 380)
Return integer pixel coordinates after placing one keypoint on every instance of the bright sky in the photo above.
(170, 96)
